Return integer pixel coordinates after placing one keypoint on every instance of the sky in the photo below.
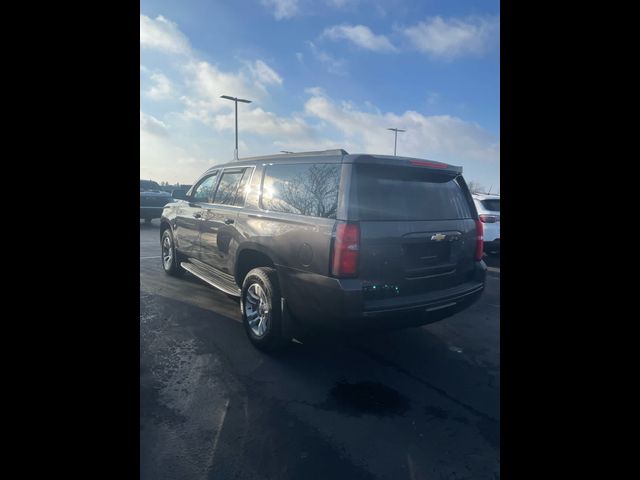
(321, 74)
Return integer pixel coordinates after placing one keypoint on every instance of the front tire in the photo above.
(261, 309)
(170, 260)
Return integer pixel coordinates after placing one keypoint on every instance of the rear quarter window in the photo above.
(302, 189)
(402, 193)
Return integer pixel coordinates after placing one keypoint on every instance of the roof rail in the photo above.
(337, 151)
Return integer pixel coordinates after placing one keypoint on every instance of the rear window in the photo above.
(492, 205)
(305, 189)
(401, 193)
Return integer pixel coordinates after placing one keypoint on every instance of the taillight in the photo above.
(479, 240)
(346, 246)
(488, 218)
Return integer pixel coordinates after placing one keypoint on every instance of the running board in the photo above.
(213, 277)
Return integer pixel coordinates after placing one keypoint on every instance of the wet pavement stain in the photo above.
(490, 431)
(488, 428)
(438, 413)
(365, 398)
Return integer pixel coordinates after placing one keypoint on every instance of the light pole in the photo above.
(236, 100)
(395, 141)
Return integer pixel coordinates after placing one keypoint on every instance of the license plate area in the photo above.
(426, 254)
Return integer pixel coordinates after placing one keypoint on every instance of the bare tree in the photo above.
(475, 187)
(313, 192)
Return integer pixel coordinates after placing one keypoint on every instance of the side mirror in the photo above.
(179, 194)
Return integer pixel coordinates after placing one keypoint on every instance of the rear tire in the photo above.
(261, 309)
(170, 257)
(147, 220)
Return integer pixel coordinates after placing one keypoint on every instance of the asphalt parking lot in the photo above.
(418, 404)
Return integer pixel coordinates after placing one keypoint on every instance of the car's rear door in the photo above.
(417, 229)
(218, 227)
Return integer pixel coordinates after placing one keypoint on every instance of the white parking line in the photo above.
(220, 425)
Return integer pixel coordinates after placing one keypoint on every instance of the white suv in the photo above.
(488, 207)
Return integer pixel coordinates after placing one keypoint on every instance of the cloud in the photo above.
(282, 8)
(264, 74)
(162, 88)
(454, 37)
(162, 159)
(441, 137)
(361, 36)
(206, 83)
(162, 34)
(151, 125)
(315, 91)
(334, 65)
(260, 122)
(204, 127)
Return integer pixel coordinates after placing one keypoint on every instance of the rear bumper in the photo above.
(324, 302)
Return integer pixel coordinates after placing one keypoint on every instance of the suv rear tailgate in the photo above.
(417, 230)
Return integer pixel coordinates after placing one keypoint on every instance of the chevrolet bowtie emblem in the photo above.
(438, 237)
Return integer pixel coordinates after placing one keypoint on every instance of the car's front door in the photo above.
(218, 228)
(190, 214)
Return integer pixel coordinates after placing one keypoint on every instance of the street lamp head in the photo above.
(235, 99)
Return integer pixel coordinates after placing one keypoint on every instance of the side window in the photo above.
(232, 188)
(203, 193)
(306, 189)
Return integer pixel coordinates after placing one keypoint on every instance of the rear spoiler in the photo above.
(404, 161)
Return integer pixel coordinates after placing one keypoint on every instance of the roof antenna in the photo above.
(490, 189)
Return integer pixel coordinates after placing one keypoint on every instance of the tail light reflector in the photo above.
(346, 248)
(479, 240)
(488, 218)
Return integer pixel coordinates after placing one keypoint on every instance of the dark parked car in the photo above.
(152, 200)
(328, 239)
